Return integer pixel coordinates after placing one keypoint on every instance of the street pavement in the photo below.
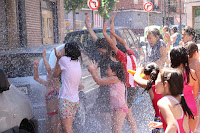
(142, 111)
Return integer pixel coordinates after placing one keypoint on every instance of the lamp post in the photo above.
(180, 27)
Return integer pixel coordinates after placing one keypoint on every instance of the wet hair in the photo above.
(175, 29)
(72, 50)
(176, 84)
(178, 56)
(191, 49)
(121, 48)
(119, 69)
(190, 31)
(102, 43)
(152, 70)
(4, 83)
(155, 32)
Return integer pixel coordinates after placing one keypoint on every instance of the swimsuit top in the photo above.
(180, 128)
(155, 100)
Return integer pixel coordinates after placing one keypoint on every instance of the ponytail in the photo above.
(153, 77)
(185, 107)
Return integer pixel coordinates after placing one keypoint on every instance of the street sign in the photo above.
(178, 19)
(93, 4)
(148, 6)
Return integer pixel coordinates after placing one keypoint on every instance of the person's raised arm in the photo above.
(57, 69)
(91, 32)
(92, 68)
(36, 75)
(121, 41)
(112, 27)
(137, 78)
(46, 63)
(109, 40)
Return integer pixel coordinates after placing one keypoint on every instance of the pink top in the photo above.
(128, 62)
(155, 100)
(189, 97)
(117, 95)
(180, 128)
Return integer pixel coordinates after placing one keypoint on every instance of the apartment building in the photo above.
(193, 14)
(165, 12)
(31, 22)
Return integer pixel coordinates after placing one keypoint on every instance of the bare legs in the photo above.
(118, 120)
(67, 125)
(131, 121)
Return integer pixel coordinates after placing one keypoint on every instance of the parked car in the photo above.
(16, 114)
(85, 41)
(18, 66)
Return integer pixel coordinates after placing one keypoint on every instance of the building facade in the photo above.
(31, 22)
(167, 10)
(193, 14)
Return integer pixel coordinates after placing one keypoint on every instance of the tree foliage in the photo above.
(106, 7)
(72, 5)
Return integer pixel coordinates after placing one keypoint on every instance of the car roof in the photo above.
(97, 30)
(29, 50)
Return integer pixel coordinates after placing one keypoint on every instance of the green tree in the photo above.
(106, 7)
(73, 5)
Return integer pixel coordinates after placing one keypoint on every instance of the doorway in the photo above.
(47, 27)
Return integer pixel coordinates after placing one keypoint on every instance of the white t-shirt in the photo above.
(70, 77)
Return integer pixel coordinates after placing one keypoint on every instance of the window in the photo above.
(196, 19)
(172, 5)
(135, 1)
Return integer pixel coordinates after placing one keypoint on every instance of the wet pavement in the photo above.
(142, 111)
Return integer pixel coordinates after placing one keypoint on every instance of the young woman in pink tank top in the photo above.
(179, 60)
(151, 71)
(174, 111)
(116, 81)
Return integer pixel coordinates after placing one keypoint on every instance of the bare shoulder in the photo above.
(163, 102)
(115, 79)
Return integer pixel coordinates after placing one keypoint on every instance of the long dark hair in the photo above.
(118, 68)
(178, 56)
(72, 50)
(152, 70)
(4, 83)
(191, 49)
(176, 84)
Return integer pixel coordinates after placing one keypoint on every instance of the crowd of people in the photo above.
(172, 83)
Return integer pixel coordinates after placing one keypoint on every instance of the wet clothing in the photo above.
(180, 128)
(158, 130)
(67, 109)
(157, 118)
(52, 103)
(155, 100)
(125, 110)
(178, 39)
(128, 62)
(153, 52)
(117, 95)
(189, 97)
(70, 76)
